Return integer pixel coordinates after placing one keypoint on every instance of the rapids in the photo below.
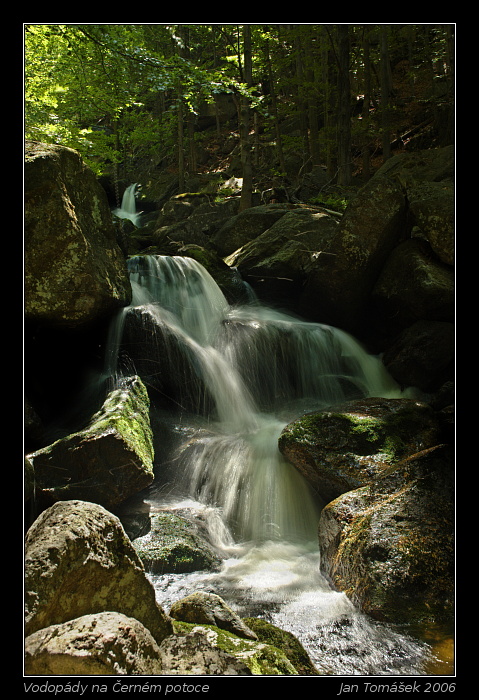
(261, 368)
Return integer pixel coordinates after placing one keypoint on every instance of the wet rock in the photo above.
(196, 654)
(423, 355)
(339, 284)
(174, 545)
(413, 286)
(246, 226)
(390, 545)
(209, 650)
(75, 270)
(277, 262)
(348, 446)
(287, 642)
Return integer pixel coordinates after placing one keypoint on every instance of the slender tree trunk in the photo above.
(366, 105)
(312, 101)
(385, 95)
(181, 146)
(329, 113)
(181, 118)
(274, 109)
(301, 104)
(344, 107)
(246, 199)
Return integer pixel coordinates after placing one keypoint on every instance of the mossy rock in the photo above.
(347, 446)
(174, 545)
(263, 659)
(390, 545)
(286, 641)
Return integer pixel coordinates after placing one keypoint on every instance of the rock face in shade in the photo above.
(75, 271)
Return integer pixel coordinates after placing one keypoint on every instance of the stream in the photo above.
(240, 374)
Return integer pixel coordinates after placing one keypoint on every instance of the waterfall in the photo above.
(229, 379)
(128, 206)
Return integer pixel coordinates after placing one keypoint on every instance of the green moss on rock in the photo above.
(174, 545)
(261, 658)
(286, 641)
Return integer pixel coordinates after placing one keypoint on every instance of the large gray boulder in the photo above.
(106, 644)
(245, 227)
(174, 544)
(75, 271)
(277, 262)
(340, 282)
(79, 561)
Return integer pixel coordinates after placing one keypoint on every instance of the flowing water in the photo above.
(259, 368)
(127, 210)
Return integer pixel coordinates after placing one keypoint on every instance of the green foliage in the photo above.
(114, 91)
(330, 202)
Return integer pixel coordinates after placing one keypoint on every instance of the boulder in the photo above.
(348, 446)
(390, 544)
(286, 641)
(209, 609)
(174, 545)
(276, 263)
(430, 165)
(196, 650)
(423, 355)
(79, 561)
(344, 274)
(431, 206)
(108, 461)
(246, 226)
(413, 286)
(106, 643)
(196, 653)
(75, 271)
(165, 360)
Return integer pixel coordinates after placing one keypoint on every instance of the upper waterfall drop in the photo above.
(127, 209)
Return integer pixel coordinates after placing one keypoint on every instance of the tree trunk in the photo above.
(344, 107)
(246, 199)
(366, 105)
(312, 101)
(385, 95)
(329, 114)
(274, 109)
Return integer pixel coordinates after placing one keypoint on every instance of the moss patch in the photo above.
(262, 659)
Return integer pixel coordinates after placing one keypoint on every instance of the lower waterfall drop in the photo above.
(228, 380)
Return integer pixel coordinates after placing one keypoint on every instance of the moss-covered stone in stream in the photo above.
(347, 446)
(126, 413)
(263, 659)
(174, 545)
(286, 641)
(108, 461)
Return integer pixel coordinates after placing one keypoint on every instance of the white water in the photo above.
(127, 210)
(262, 369)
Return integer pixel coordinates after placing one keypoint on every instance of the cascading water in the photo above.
(259, 369)
(127, 210)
